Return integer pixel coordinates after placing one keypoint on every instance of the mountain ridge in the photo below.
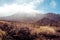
(32, 18)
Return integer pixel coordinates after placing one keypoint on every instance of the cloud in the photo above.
(53, 4)
(28, 1)
(7, 10)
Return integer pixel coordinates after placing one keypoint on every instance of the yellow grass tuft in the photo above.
(44, 30)
(2, 33)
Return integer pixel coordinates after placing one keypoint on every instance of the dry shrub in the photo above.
(43, 30)
(2, 33)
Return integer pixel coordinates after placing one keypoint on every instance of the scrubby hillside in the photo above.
(26, 31)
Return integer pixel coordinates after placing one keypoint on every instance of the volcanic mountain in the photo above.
(23, 17)
(50, 19)
(47, 18)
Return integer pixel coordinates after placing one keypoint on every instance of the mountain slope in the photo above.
(50, 19)
(46, 21)
(23, 17)
(53, 16)
(34, 18)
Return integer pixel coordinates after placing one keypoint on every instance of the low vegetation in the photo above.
(44, 30)
(23, 31)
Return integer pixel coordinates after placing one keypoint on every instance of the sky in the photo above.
(10, 7)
